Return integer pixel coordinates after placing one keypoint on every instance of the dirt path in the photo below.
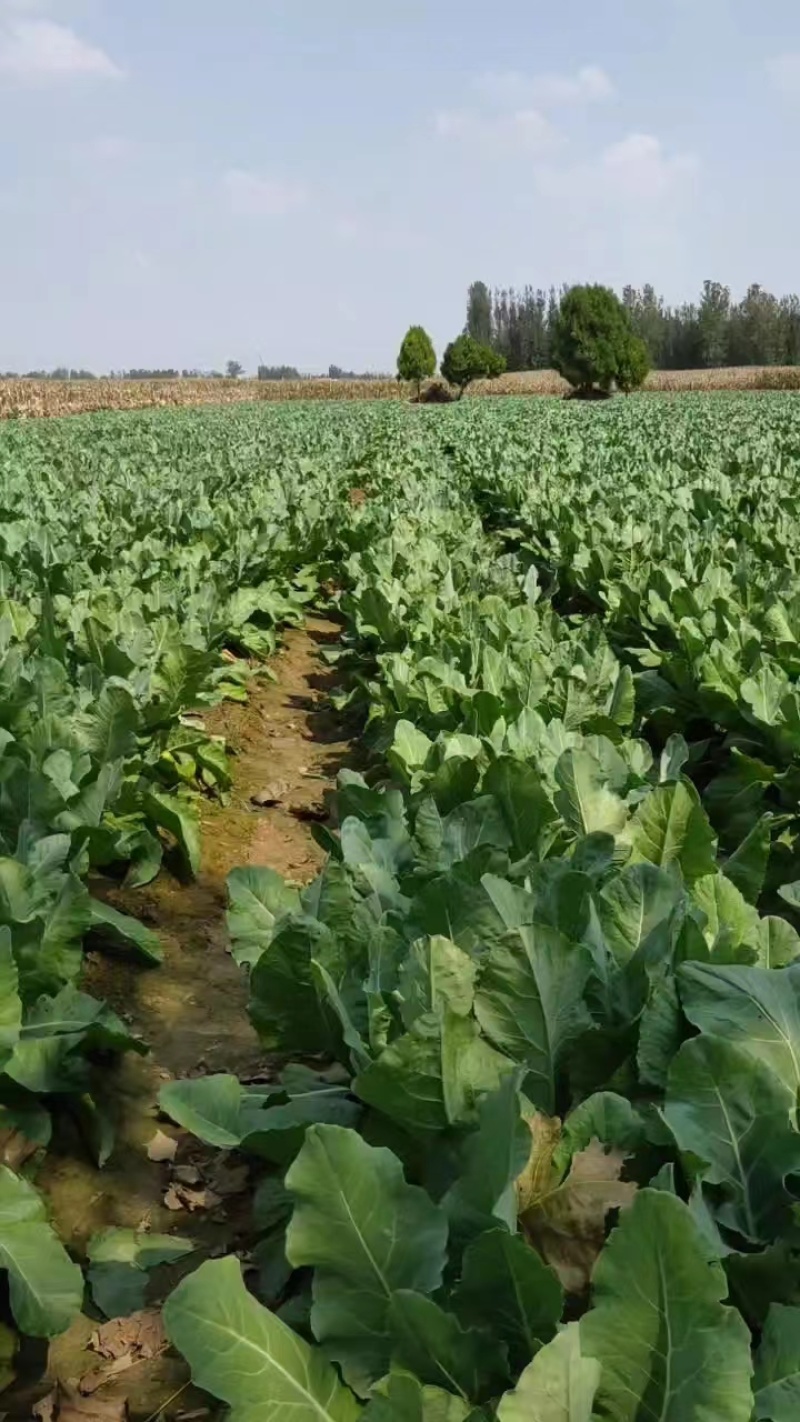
(193, 1009)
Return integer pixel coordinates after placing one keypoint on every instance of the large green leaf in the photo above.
(57, 1036)
(367, 1234)
(671, 827)
(430, 1343)
(668, 1347)
(530, 1003)
(526, 806)
(269, 1122)
(507, 1289)
(433, 1076)
(244, 1356)
(400, 1397)
(777, 1376)
(637, 910)
(733, 1114)
(10, 1005)
(757, 1008)
(558, 1386)
(258, 899)
(46, 1287)
(180, 819)
(491, 1159)
(118, 927)
(436, 973)
(584, 799)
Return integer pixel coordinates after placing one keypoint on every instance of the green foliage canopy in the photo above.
(595, 346)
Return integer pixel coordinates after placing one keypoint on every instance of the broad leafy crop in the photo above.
(547, 1160)
(533, 1147)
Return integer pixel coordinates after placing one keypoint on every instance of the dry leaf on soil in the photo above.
(183, 1197)
(66, 1404)
(141, 1334)
(162, 1147)
(565, 1218)
(98, 1377)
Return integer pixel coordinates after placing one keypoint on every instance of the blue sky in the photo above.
(184, 181)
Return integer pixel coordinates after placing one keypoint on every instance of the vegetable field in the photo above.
(526, 1142)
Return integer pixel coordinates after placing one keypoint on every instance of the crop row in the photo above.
(535, 1148)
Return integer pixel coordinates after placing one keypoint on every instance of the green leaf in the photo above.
(180, 819)
(747, 866)
(530, 1003)
(668, 1348)
(433, 1077)
(409, 750)
(120, 1259)
(733, 1114)
(46, 1287)
(584, 800)
(258, 899)
(671, 827)
(400, 1397)
(731, 928)
(56, 1036)
(121, 928)
(757, 1008)
(244, 1356)
(507, 1289)
(778, 943)
(637, 911)
(777, 1376)
(673, 758)
(269, 1122)
(285, 1005)
(208, 1106)
(436, 974)
(118, 1290)
(10, 1005)
(558, 1386)
(492, 1157)
(430, 1343)
(526, 806)
(366, 1233)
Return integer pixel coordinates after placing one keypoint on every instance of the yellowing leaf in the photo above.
(564, 1216)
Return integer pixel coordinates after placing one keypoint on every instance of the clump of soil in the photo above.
(192, 1010)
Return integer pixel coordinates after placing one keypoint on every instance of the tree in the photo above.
(466, 360)
(594, 344)
(234, 369)
(713, 321)
(417, 358)
(479, 313)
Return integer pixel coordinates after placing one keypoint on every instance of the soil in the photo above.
(287, 746)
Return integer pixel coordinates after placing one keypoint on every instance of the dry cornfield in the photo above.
(21, 399)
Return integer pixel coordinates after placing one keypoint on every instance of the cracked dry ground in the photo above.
(192, 1010)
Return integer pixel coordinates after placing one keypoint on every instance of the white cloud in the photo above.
(784, 74)
(513, 89)
(497, 133)
(251, 195)
(639, 165)
(32, 50)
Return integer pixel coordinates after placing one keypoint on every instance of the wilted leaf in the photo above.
(564, 1215)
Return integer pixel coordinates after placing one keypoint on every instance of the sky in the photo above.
(184, 182)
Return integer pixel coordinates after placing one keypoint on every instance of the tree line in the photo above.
(760, 329)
